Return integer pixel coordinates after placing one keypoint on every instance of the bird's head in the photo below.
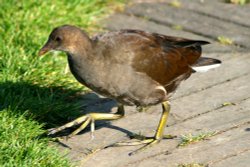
(67, 38)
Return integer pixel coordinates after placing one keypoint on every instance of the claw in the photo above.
(88, 119)
(92, 129)
(150, 144)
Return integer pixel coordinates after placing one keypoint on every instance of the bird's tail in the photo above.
(203, 64)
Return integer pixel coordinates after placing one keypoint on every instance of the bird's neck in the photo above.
(82, 67)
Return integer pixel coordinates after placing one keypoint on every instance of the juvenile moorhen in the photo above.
(131, 66)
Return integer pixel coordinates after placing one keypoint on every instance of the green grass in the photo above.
(21, 146)
(192, 165)
(190, 138)
(240, 2)
(35, 92)
(225, 40)
(175, 3)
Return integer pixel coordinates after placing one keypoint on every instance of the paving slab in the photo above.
(133, 22)
(232, 91)
(233, 66)
(216, 120)
(108, 157)
(220, 10)
(240, 159)
(207, 152)
(193, 22)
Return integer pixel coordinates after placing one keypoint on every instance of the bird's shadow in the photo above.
(53, 106)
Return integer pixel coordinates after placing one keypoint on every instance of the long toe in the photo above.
(133, 143)
(150, 144)
(138, 139)
(85, 120)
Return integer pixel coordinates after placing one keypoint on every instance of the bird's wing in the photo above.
(165, 59)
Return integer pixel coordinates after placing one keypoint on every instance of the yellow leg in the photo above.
(149, 141)
(163, 120)
(89, 119)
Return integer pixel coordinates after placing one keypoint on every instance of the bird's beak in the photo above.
(46, 48)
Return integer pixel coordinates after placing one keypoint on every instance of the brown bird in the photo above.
(131, 66)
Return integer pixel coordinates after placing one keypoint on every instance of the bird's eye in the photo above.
(58, 39)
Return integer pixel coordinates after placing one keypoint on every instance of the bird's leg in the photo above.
(149, 141)
(89, 119)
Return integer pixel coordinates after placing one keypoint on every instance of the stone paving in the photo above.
(216, 102)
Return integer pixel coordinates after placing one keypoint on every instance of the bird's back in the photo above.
(167, 60)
